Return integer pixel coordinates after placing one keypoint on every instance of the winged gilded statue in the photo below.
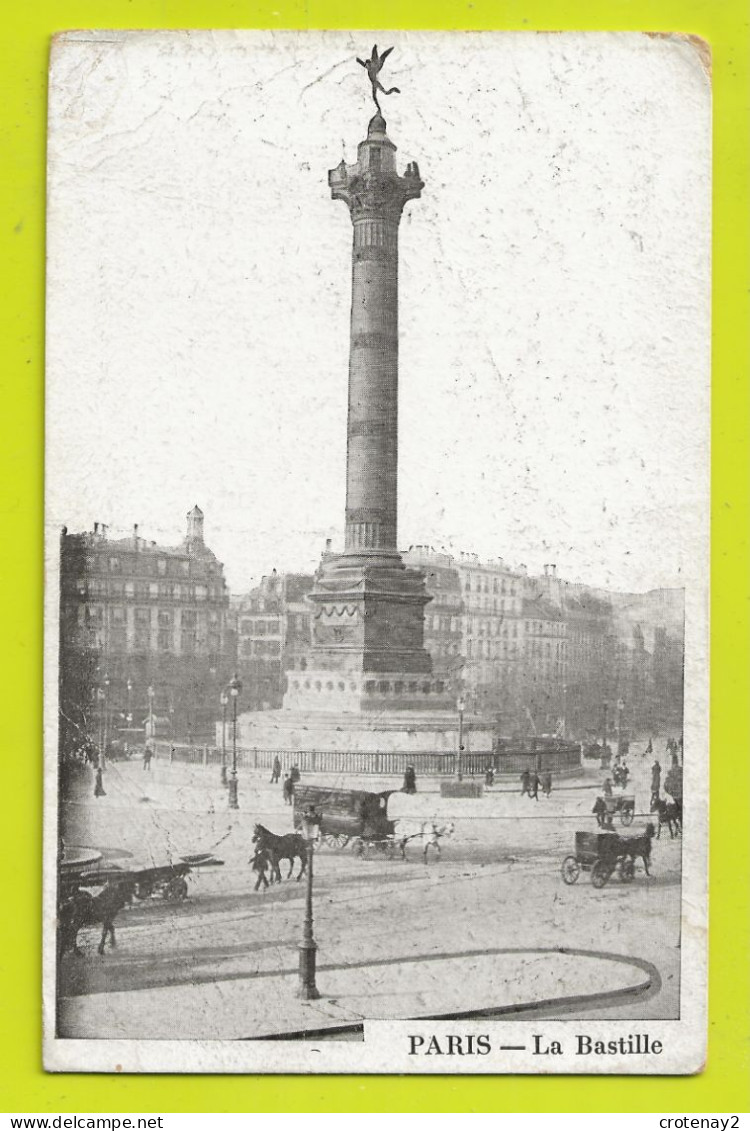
(374, 66)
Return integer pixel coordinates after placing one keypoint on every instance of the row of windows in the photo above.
(188, 618)
(147, 589)
(545, 628)
(490, 649)
(117, 640)
(481, 584)
(542, 648)
(495, 605)
(261, 648)
(269, 626)
(491, 628)
(162, 567)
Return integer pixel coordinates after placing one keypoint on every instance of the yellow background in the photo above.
(723, 1087)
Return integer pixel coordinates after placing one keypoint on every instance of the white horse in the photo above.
(429, 832)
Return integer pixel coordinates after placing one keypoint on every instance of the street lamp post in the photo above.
(565, 712)
(106, 720)
(618, 721)
(460, 707)
(308, 947)
(100, 699)
(604, 735)
(223, 699)
(235, 686)
(150, 693)
(128, 713)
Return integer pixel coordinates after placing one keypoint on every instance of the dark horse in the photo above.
(286, 847)
(669, 814)
(82, 909)
(639, 847)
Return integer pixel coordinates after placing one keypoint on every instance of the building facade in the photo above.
(134, 616)
(274, 632)
(536, 654)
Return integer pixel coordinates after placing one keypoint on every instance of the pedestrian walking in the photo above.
(287, 790)
(525, 783)
(99, 790)
(259, 864)
(294, 774)
(275, 770)
(410, 780)
(608, 787)
(650, 748)
(534, 784)
(147, 756)
(489, 777)
(547, 783)
(656, 777)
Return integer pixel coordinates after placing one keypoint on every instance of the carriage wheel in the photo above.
(176, 890)
(626, 816)
(336, 840)
(627, 870)
(600, 873)
(570, 870)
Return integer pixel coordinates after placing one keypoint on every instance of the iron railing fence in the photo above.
(426, 762)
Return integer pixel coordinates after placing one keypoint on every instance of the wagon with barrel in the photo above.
(602, 854)
(165, 881)
(350, 816)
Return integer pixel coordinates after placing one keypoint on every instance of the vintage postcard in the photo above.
(378, 384)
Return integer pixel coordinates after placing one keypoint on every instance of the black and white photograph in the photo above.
(377, 544)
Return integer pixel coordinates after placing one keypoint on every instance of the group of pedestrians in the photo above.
(291, 779)
(531, 781)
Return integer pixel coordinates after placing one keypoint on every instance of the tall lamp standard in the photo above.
(150, 693)
(235, 686)
(618, 722)
(106, 719)
(128, 713)
(308, 947)
(223, 699)
(100, 695)
(605, 760)
(460, 707)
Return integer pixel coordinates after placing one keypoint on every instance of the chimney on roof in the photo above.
(329, 543)
(96, 528)
(553, 568)
(135, 535)
(546, 571)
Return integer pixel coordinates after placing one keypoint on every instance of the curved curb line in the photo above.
(643, 990)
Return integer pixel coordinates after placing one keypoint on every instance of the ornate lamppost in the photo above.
(101, 697)
(307, 988)
(150, 693)
(235, 686)
(105, 728)
(460, 707)
(605, 759)
(224, 699)
(618, 723)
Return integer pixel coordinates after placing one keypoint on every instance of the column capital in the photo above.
(371, 187)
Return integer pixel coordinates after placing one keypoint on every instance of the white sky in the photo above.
(554, 294)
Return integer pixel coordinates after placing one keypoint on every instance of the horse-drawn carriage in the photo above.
(606, 853)
(607, 807)
(350, 815)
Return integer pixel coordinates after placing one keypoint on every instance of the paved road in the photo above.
(496, 885)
